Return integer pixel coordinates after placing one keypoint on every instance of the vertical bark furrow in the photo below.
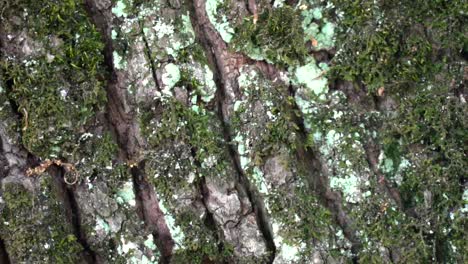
(122, 115)
(226, 68)
(67, 196)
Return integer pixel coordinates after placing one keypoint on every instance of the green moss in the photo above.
(266, 39)
(182, 123)
(35, 226)
(59, 89)
(395, 45)
(200, 243)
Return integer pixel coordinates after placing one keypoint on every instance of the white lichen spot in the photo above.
(278, 3)
(125, 246)
(209, 162)
(114, 34)
(465, 201)
(162, 29)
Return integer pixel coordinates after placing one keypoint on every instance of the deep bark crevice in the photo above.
(217, 53)
(123, 121)
(4, 257)
(150, 58)
(67, 196)
(151, 213)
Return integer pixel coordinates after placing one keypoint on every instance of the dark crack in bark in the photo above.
(150, 58)
(4, 258)
(124, 123)
(226, 71)
(67, 196)
(151, 213)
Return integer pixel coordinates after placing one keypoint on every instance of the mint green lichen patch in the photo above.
(119, 62)
(332, 138)
(176, 232)
(149, 243)
(171, 75)
(259, 180)
(323, 31)
(350, 186)
(101, 224)
(126, 194)
(163, 29)
(287, 252)
(119, 9)
(187, 28)
(311, 76)
(326, 36)
(306, 108)
(209, 89)
(317, 13)
(220, 22)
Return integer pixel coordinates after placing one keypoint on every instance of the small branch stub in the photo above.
(69, 170)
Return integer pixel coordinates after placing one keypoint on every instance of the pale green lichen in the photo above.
(324, 34)
(209, 89)
(171, 75)
(101, 224)
(332, 138)
(464, 209)
(119, 62)
(126, 194)
(286, 252)
(223, 27)
(348, 185)
(119, 9)
(162, 29)
(149, 243)
(187, 28)
(176, 232)
(259, 180)
(311, 76)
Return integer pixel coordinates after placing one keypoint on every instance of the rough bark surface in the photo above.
(210, 131)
